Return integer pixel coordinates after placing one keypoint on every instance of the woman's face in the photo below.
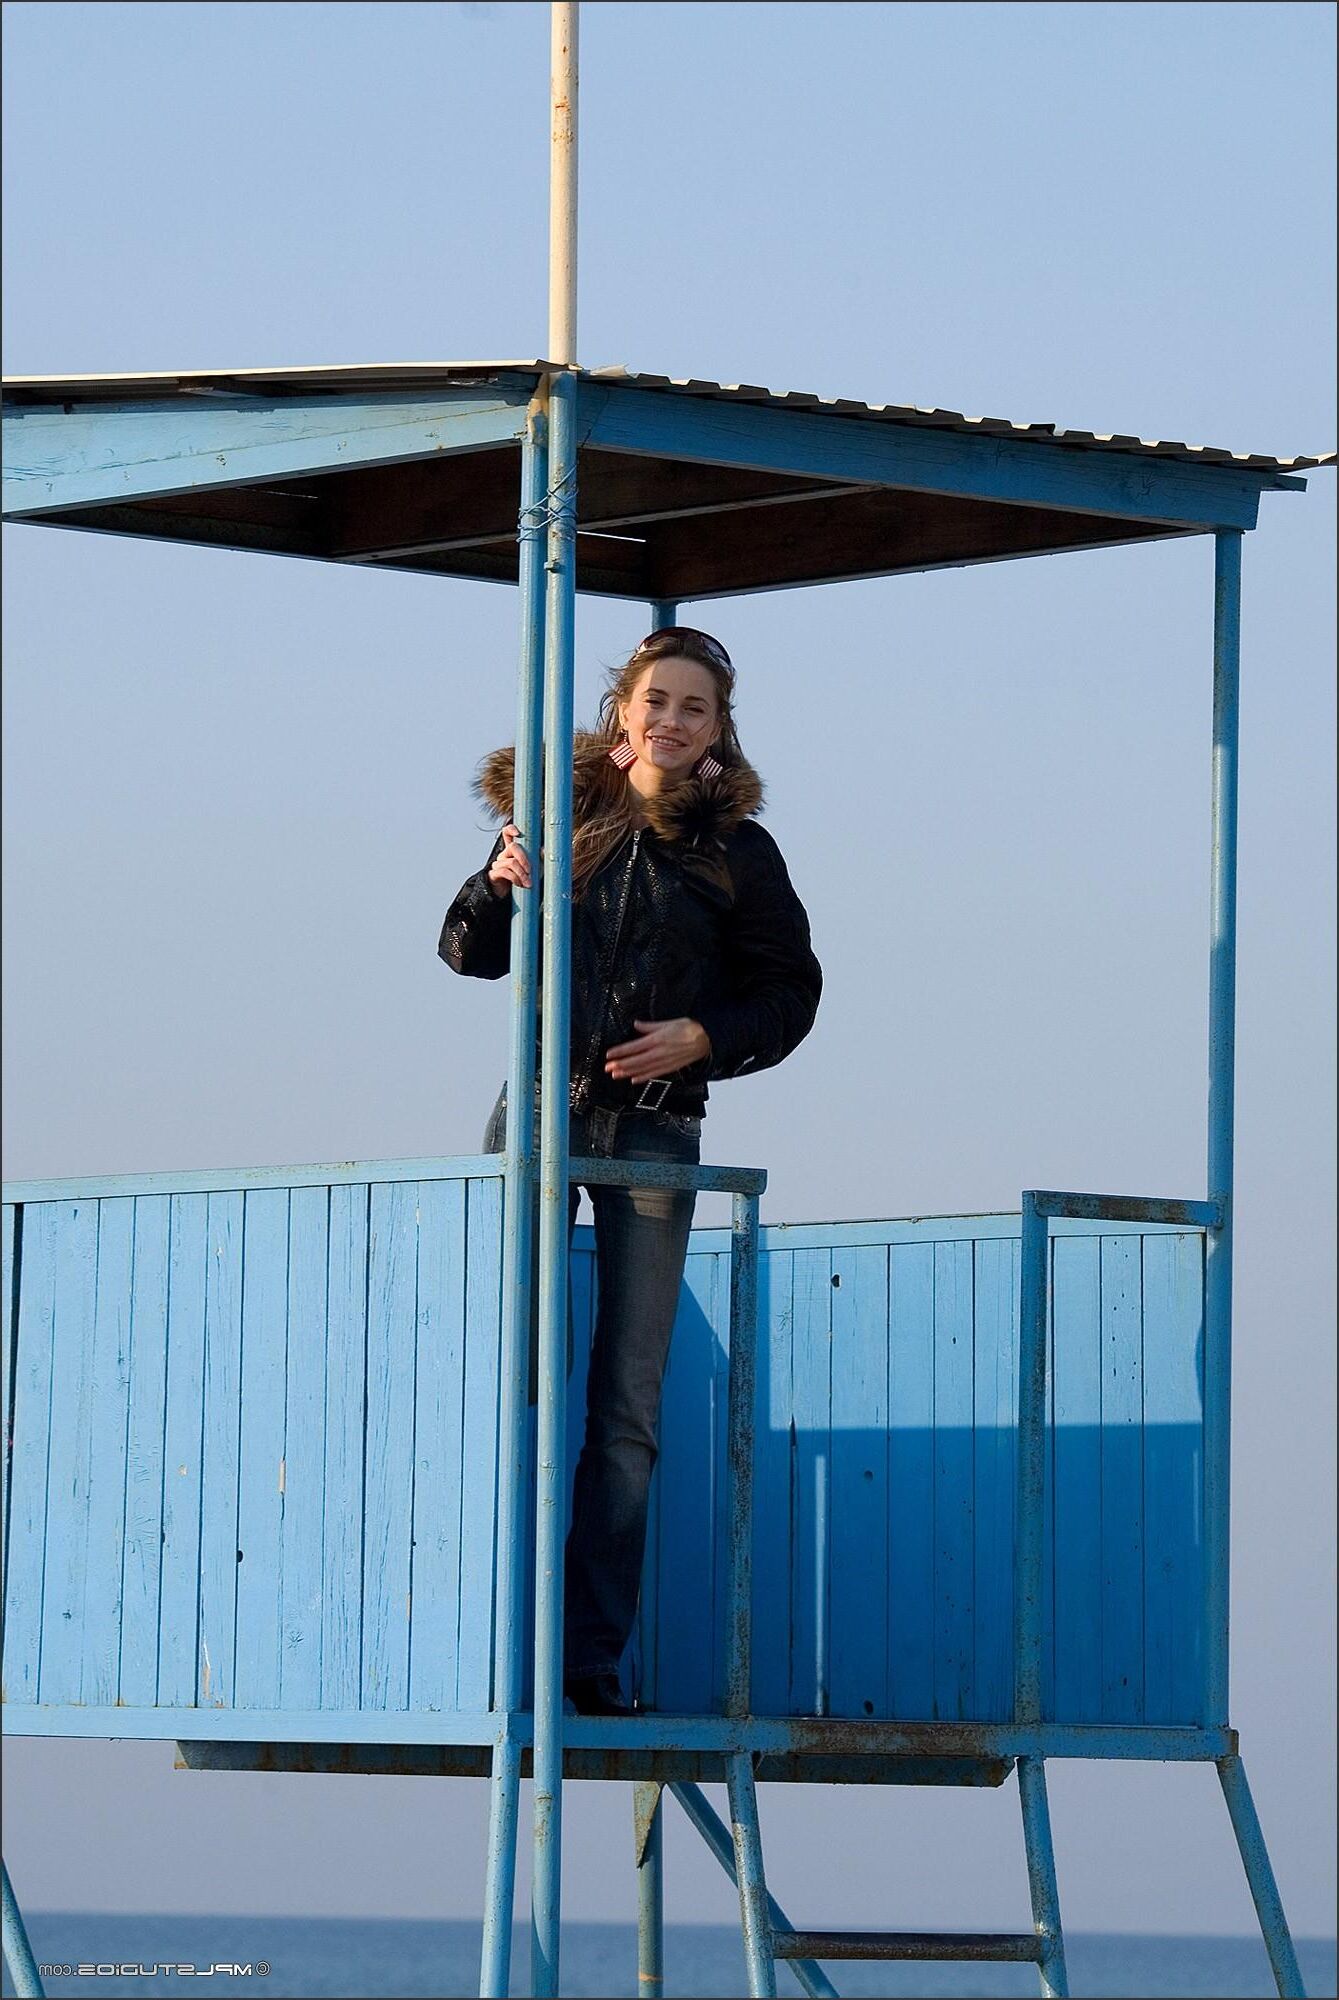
(672, 716)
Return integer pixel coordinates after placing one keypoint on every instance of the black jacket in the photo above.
(693, 915)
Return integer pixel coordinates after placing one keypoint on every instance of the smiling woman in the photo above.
(691, 962)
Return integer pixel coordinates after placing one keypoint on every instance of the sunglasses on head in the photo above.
(703, 640)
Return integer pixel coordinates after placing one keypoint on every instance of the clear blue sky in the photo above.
(236, 787)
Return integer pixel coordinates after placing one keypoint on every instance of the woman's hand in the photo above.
(511, 866)
(660, 1048)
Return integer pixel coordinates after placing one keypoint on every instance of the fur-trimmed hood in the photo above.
(696, 812)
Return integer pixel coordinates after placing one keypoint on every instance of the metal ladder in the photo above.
(769, 1934)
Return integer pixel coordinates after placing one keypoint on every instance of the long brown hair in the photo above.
(607, 812)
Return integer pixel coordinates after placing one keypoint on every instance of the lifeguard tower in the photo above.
(956, 1488)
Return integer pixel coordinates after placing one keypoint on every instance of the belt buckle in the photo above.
(660, 1083)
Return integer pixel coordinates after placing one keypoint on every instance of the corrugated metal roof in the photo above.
(429, 374)
(955, 420)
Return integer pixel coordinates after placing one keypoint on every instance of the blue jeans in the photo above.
(641, 1241)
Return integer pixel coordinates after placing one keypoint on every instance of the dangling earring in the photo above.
(623, 753)
(709, 766)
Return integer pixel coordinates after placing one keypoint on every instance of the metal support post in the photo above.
(18, 1952)
(649, 1820)
(517, 1228)
(1030, 1531)
(504, 1798)
(1260, 1876)
(1222, 1059)
(553, 1190)
(750, 1876)
(1041, 1877)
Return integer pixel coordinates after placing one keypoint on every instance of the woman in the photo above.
(690, 962)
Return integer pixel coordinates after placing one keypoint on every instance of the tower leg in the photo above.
(500, 1881)
(1041, 1876)
(749, 1873)
(649, 1820)
(1260, 1875)
(18, 1952)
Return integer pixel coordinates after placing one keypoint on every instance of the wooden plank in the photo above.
(994, 1475)
(478, 1528)
(221, 1440)
(811, 1505)
(1049, 1559)
(773, 1474)
(859, 532)
(28, 1462)
(447, 504)
(717, 1298)
(911, 1546)
(955, 1615)
(345, 1380)
(645, 1664)
(439, 1394)
(142, 1552)
(684, 1661)
(1122, 1481)
(605, 568)
(302, 1519)
(107, 1467)
(800, 442)
(388, 1496)
(403, 510)
(148, 520)
(1173, 1442)
(260, 1497)
(57, 458)
(583, 1298)
(917, 1229)
(1077, 1433)
(70, 1451)
(179, 1586)
(858, 1600)
(226, 1180)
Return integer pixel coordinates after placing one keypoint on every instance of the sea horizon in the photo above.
(347, 1958)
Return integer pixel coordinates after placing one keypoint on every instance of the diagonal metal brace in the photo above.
(18, 1952)
(717, 1836)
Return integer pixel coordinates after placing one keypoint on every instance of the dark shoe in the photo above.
(596, 1694)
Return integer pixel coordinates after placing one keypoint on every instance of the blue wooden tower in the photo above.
(954, 1491)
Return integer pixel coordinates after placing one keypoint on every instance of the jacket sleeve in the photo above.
(476, 936)
(774, 980)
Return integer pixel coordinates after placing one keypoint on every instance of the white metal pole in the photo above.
(563, 187)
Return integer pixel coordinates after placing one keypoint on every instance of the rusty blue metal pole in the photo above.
(1260, 1876)
(517, 1231)
(749, 1874)
(1218, 1249)
(1222, 1059)
(18, 1952)
(743, 1371)
(551, 1487)
(1041, 1878)
(649, 1820)
(500, 1868)
(1030, 1527)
